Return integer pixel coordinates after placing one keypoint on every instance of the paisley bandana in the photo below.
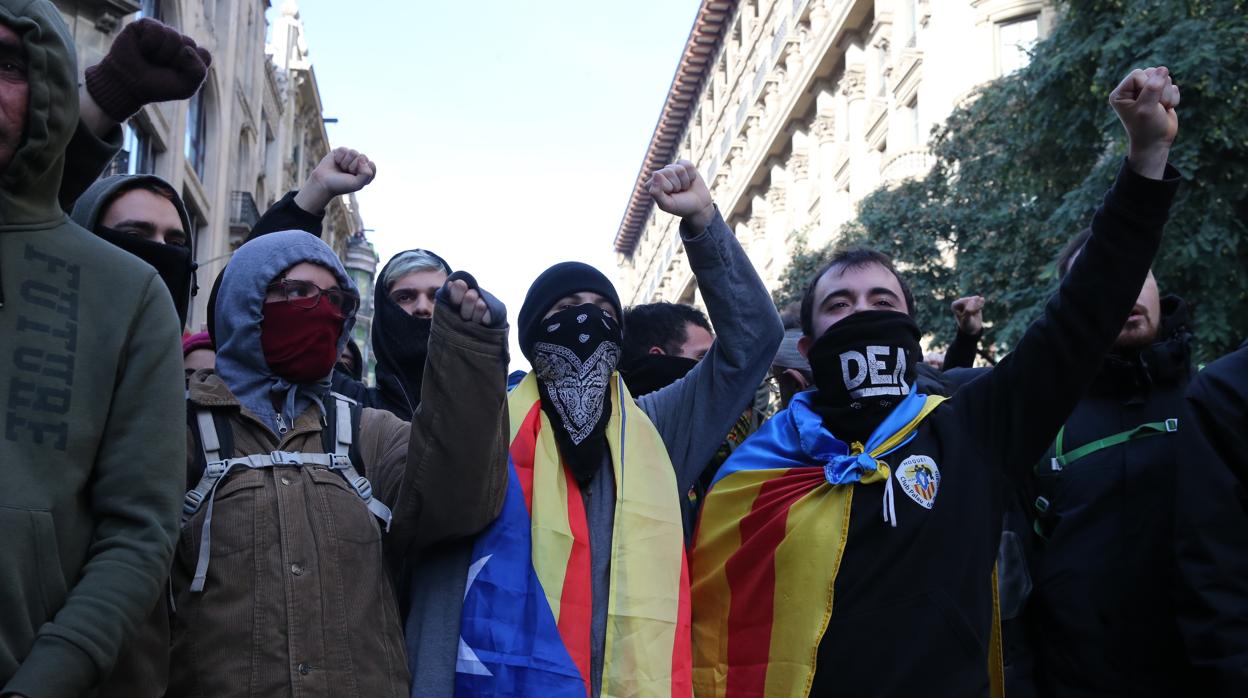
(578, 350)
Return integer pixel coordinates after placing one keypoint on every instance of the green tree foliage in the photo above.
(1021, 167)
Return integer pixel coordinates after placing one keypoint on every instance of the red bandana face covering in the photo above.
(301, 345)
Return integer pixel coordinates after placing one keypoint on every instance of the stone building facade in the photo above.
(254, 131)
(794, 110)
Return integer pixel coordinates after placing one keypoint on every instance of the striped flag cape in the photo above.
(525, 628)
(769, 545)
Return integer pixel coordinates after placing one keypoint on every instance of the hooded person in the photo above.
(591, 531)
(351, 361)
(88, 501)
(143, 215)
(285, 310)
(1099, 616)
(403, 315)
(1211, 528)
(868, 511)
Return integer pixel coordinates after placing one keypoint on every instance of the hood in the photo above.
(1166, 362)
(399, 346)
(30, 185)
(240, 310)
(175, 268)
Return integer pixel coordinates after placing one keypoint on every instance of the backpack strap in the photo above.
(1046, 482)
(340, 428)
(347, 421)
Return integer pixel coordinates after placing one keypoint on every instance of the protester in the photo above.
(198, 352)
(88, 502)
(143, 215)
(351, 362)
(608, 555)
(403, 306)
(787, 576)
(1211, 529)
(1101, 612)
(293, 587)
(665, 341)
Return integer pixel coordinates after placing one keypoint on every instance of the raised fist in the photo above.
(341, 171)
(1145, 102)
(148, 62)
(344, 171)
(969, 312)
(679, 190)
(468, 302)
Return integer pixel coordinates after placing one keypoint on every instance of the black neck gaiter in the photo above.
(648, 373)
(172, 262)
(575, 352)
(864, 366)
(401, 345)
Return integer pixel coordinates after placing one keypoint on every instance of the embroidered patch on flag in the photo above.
(919, 479)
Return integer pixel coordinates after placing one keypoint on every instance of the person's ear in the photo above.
(797, 377)
(656, 350)
(803, 346)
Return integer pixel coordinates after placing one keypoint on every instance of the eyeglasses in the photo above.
(305, 294)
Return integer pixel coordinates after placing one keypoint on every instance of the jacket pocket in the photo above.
(33, 587)
(236, 507)
(348, 515)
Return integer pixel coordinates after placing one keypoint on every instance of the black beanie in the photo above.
(556, 282)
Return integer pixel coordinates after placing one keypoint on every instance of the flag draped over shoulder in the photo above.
(769, 546)
(528, 604)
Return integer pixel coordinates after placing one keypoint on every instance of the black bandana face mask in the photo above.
(576, 353)
(646, 374)
(172, 262)
(866, 364)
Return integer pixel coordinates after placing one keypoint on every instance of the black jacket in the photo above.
(1211, 530)
(1101, 614)
(913, 604)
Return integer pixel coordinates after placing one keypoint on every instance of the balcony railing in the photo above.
(243, 212)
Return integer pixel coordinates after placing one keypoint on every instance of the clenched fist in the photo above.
(148, 62)
(969, 312)
(468, 302)
(341, 171)
(679, 190)
(1145, 102)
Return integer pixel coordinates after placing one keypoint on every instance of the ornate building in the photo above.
(254, 131)
(361, 263)
(793, 110)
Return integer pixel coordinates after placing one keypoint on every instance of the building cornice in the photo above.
(695, 65)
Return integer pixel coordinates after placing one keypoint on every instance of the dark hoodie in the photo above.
(92, 483)
(174, 263)
(1101, 617)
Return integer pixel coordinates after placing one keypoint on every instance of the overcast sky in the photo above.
(507, 134)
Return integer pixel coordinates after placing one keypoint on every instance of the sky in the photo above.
(507, 134)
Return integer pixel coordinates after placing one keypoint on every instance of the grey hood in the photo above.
(240, 310)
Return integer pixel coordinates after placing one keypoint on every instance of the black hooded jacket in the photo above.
(1211, 528)
(400, 345)
(1100, 618)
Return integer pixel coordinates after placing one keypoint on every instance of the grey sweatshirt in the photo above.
(693, 415)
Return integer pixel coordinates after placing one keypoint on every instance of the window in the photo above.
(912, 117)
(196, 132)
(137, 154)
(881, 67)
(1015, 39)
(152, 9)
